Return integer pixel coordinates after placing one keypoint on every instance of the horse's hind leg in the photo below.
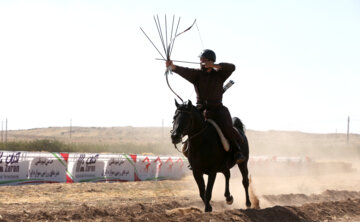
(229, 198)
(244, 172)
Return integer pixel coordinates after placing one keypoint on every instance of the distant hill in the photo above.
(274, 143)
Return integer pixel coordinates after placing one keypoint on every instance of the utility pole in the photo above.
(70, 129)
(2, 131)
(162, 129)
(6, 128)
(348, 129)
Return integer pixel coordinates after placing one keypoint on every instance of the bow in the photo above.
(168, 54)
(168, 47)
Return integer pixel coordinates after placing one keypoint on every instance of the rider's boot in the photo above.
(238, 155)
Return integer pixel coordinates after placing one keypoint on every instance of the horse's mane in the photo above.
(198, 112)
(188, 106)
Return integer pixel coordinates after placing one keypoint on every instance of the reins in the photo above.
(200, 131)
(194, 135)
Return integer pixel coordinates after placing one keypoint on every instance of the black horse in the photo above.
(206, 154)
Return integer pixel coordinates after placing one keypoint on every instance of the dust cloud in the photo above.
(296, 165)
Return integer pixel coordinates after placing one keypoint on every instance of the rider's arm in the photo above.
(187, 73)
(226, 69)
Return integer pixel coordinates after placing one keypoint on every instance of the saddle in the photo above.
(224, 141)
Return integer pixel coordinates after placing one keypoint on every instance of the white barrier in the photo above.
(45, 168)
(13, 167)
(17, 168)
(120, 168)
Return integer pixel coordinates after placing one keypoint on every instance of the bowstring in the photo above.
(168, 54)
(202, 43)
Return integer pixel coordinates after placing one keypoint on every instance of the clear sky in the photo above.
(297, 62)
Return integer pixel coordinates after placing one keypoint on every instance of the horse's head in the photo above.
(182, 121)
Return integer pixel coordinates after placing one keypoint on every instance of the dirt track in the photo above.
(297, 198)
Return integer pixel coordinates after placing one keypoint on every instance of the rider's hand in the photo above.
(170, 63)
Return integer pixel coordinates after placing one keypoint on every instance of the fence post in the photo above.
(2, 131)
(6, 132)
(348, 129)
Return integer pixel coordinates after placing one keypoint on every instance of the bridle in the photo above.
(186, 112)
(199, 132)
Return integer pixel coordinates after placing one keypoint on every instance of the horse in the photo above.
(206, 154)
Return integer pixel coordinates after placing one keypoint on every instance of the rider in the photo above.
(208, 82)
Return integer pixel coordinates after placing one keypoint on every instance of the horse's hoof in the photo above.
(208, 208)
(229, 200)
(248, 205)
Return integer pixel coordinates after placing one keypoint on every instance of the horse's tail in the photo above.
(238, 124)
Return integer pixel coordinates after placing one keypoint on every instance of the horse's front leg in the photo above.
(228, 196)
(198, 176)
(209, 188)
(244, 172)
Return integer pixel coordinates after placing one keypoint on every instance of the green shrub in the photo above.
(57, 146)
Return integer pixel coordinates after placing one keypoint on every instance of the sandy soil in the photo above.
(326, 197)
(327, 189)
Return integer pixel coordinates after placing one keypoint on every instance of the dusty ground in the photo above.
(327, 197)
(327, 189)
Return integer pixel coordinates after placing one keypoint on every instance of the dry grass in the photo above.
(273, 143)
(108, 135)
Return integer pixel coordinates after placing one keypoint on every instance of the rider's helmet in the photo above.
(208, 54)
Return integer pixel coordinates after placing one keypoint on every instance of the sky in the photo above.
(87, 63)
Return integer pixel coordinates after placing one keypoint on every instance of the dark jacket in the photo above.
(208, 85)
(209, 93)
